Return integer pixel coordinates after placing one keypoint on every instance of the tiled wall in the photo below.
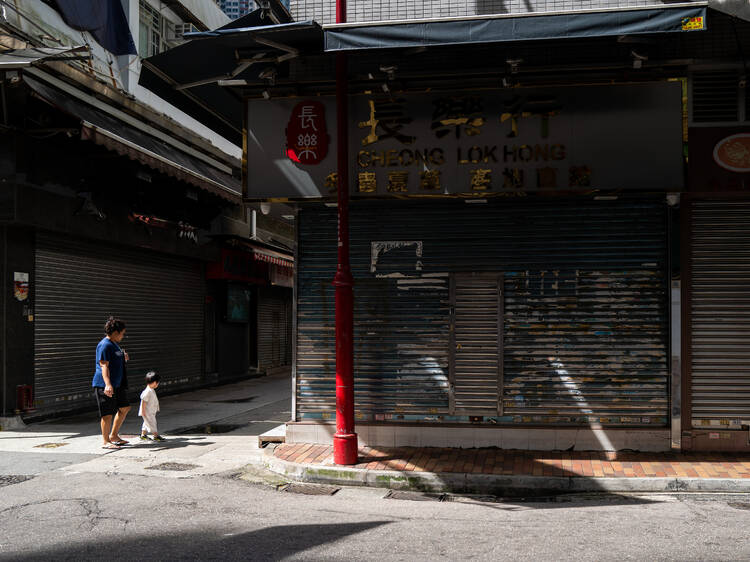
(580, 439)
(324, 11)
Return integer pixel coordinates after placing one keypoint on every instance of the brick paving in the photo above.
(584, 464)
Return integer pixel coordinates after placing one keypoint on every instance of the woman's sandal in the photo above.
(111, 446)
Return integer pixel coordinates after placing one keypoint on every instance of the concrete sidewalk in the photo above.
(510, 472)
(208, 431)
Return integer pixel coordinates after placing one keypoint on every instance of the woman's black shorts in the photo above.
(108, 405)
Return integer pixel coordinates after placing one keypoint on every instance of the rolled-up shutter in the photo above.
(274, 328)
(720, 313)
(477, 351)
(584, 323)
(79, 284)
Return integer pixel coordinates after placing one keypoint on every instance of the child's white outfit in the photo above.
(148, 409)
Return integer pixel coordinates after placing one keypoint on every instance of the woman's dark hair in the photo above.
(113, 325)
(152, 376)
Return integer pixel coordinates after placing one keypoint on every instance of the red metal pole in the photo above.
(345, 439)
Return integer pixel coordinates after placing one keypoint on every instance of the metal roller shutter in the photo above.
(585, 344)
(476, 372)
(274, 328)
(583, 298)
(79, 284)
(720, 313)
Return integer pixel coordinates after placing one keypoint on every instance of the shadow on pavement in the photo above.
(272, 543)
(169, 443)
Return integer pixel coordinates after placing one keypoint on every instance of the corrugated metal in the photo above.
(476, 374)
(720, 313)
(274, 328)
(584, 293)
(585, 343)
(715, 95)
(79, 284)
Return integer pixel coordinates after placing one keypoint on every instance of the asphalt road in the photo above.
(201, 496)
(95, 516)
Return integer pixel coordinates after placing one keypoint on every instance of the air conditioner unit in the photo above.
(176, 31)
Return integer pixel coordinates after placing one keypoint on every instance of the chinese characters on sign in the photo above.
(507, 142)
(395, 159)
(306, 134)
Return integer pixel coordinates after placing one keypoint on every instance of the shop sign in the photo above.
(693, 24)
(503, 143)
(718, 159)
(733, 153)
(20, 285)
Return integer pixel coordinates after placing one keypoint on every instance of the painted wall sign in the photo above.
(733, 153)
(20, 285)
(502, 143)
(306, 133)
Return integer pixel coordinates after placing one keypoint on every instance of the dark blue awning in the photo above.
(116, 135)
(515, 27)
(191, 76)
(197, 76)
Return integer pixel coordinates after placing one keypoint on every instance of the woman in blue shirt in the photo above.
(109, 388)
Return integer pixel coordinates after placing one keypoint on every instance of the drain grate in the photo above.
(10, 479)
(414, 496)
(50, 445)
(310, 489)
(176, 466)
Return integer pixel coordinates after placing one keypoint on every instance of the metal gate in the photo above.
(476, 344)
(274, 328)
(720, 313)
(583, 309)
(79, 284)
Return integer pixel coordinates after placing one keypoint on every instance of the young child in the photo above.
(149, 407)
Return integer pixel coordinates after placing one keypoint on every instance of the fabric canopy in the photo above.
(737, 8)
(269, 256)
(114, 134)
(571, 25)
(188, 76)
(104, 19)
(20, 58)
(193, 76)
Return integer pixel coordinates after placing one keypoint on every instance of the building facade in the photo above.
(236, 8)
(115, 203)
(547, 220)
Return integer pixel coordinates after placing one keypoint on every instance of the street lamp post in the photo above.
(345, 439)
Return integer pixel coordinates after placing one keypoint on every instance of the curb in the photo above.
(496, 485)
(11, 423)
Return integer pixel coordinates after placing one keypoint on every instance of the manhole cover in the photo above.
(172, 466)
(10, 479)
(414, 496)
(210, 428)
(740, 505)
(50, 445)
(311, 489)
(236, 400)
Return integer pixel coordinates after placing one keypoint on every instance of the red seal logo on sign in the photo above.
(306, 134)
